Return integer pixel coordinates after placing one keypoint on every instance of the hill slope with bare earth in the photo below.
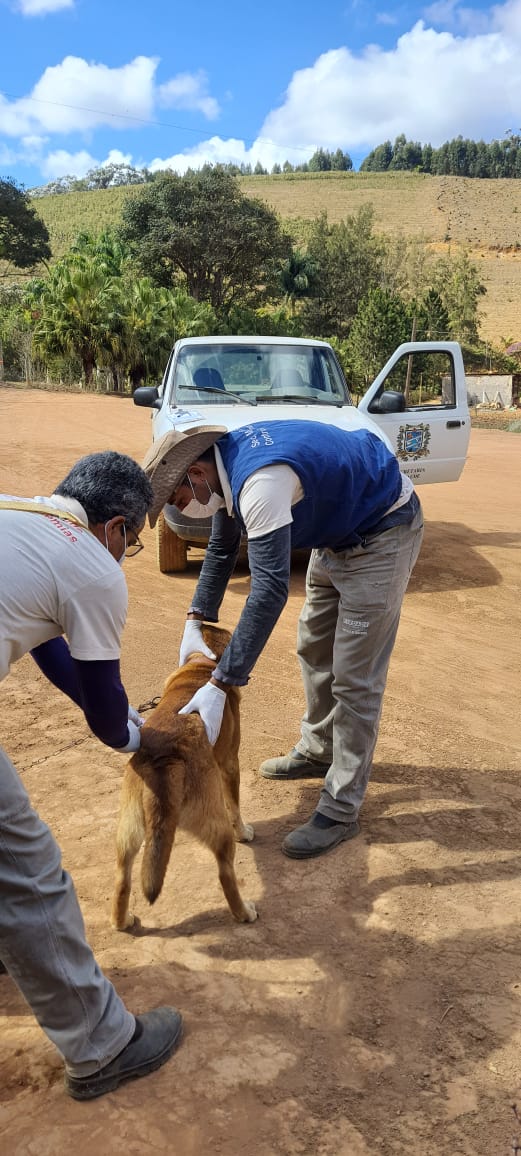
(447, 213)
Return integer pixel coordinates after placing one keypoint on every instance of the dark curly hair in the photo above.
(107, 484)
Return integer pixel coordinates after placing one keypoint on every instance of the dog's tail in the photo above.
(161, 814)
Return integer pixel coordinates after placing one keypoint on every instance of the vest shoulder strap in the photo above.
(34, 508)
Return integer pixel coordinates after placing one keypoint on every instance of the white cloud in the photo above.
(62, 163)
(8, 156)
(451, 14)
(32, 149)
(442, 12)
(42, 7)
(79, 96)
(75, 96)
(217, 151)
(116, 157)
(431, 86)
(386, 18)
(28, 152)
(189, 91)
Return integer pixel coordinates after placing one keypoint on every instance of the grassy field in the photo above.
(446, 213)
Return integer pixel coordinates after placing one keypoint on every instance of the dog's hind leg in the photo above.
(244, 832)
(129, 837)
(223, 847)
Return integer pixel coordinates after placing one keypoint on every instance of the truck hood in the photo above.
(233, 416)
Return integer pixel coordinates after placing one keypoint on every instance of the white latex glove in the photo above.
(135, 717)
(209, 702)
(134, 741)
(193, 641)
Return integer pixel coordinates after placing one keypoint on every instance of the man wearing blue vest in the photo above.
(288, 485)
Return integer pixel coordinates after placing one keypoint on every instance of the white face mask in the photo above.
(196, 509)
(120, 560)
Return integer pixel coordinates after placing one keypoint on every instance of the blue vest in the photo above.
(349, 478)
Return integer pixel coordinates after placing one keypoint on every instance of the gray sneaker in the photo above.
(311, 839)
(158, 1034)
(293, 766)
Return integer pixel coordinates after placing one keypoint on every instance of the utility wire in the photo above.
(147, 121)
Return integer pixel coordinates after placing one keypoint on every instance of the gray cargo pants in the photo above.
(42, 940)
(346, 634)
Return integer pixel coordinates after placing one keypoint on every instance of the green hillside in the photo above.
(68, 214)
(483, 216)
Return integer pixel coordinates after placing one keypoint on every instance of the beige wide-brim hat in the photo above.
(168, 459)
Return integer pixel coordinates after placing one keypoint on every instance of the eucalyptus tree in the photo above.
(456, 280)
(348, 257)
(382, 322)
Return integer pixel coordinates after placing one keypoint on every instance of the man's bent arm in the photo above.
(218, 566)
(95, 687)
(269, 559)
(56, 663)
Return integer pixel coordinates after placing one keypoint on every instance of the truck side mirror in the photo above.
(147, 395)
(390, 401)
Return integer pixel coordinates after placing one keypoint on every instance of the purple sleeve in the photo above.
(55, 662)
(95, 687)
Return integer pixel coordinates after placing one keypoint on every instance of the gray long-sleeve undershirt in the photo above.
(269, 560)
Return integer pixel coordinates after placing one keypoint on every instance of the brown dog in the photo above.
(177, 779)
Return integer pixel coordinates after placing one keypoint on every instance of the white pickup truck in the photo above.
(417, 404)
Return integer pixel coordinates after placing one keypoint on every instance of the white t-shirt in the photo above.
(57, 578)
(267, 496)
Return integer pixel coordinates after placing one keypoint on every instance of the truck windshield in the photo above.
(256, 373)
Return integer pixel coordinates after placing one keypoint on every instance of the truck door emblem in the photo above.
(413, 442)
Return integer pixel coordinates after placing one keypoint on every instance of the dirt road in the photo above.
(375, 1006)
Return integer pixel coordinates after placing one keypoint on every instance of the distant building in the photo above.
(490, 388)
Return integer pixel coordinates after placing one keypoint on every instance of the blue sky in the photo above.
(165, 84)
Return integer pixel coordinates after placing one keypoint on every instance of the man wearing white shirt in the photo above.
(60, 575)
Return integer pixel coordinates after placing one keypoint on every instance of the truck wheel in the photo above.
(171, 550)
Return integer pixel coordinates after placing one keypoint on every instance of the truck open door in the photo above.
(419, 399)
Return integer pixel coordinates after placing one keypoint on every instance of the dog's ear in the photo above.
(216, 638)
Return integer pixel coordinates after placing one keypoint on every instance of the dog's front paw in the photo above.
(245, 833)
(251, 912)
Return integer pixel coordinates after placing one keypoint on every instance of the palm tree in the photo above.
(92, 309)
(150, 319)
(139, 343)
(297, 278)
(108, 249)
(75, 310)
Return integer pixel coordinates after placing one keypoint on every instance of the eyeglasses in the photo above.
(132, 548)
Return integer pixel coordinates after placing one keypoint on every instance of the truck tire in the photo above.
(171, 550)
